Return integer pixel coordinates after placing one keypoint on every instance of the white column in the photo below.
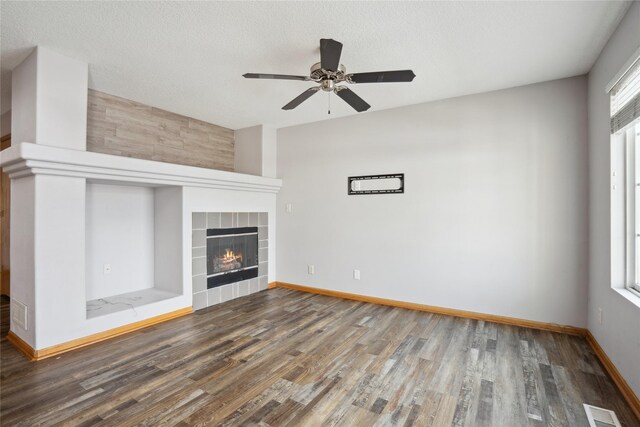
(49, 107)
(49, 100)
(22, 251)
(60, 303)
(47, 257)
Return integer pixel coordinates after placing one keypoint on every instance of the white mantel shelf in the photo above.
(31, 159)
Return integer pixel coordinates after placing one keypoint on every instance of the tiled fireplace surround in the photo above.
(201, 221)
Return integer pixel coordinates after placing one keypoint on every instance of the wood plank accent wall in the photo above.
(122, 127)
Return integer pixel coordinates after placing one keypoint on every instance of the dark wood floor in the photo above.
(283, 357)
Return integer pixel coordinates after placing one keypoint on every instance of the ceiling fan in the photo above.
(329, 73)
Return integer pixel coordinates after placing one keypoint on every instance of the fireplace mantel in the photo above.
(31, 159)
(54, 258)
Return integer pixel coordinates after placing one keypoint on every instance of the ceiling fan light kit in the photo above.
(330, 76)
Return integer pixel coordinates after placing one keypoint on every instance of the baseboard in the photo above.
(615, 375)
(55, 350)
(532, 324)
(21, 345)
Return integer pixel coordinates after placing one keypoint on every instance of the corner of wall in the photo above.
(269, 151)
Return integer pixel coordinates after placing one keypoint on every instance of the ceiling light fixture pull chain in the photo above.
(329, 109)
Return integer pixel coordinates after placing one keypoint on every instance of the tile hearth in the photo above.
(127, 301)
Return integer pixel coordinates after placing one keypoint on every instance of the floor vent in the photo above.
(599, 417)
(19, 313)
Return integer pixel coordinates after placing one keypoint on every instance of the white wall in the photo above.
(248, 150)
(49, 100)
(120, 232)
(24, 100)
(63, 88)
(59, 259)
(22, 252)
(255, 151)
(168, 239)
(269, 151)
(619, 334)
(493, 218)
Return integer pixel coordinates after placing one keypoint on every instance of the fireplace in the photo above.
(232, 255)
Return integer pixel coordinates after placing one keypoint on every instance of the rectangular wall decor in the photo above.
(376, 184)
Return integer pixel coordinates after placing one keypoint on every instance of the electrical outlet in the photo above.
(288, 208)
(311, 269)
(106, 269)
(600, 315)
(356, 274)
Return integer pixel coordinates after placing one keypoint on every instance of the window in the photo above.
(625, 130)
(630, 138)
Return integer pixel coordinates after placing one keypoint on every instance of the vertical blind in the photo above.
(625, 98)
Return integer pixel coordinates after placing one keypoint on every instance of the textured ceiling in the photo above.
(189, 57)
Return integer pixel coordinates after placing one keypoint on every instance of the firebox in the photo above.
(232, 255)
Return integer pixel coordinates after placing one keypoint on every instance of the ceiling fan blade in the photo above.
(274, 76)
(330, 51)
(301, 98)
(382, 77)
(352, 99)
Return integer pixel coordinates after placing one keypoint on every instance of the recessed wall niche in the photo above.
(133, 253)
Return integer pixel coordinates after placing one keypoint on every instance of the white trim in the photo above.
(632, 154)
(27, 159)
(635, 57)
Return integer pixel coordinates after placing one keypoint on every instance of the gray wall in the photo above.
(619, 333)
(493, 219)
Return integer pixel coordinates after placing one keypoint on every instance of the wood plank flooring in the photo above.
(286, 358)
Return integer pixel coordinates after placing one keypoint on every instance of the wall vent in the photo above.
(19, 314)
(599, 417)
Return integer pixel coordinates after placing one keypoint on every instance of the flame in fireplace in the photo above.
(231, 256)
(229, 260)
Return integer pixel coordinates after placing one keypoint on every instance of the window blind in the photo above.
(625, 98)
